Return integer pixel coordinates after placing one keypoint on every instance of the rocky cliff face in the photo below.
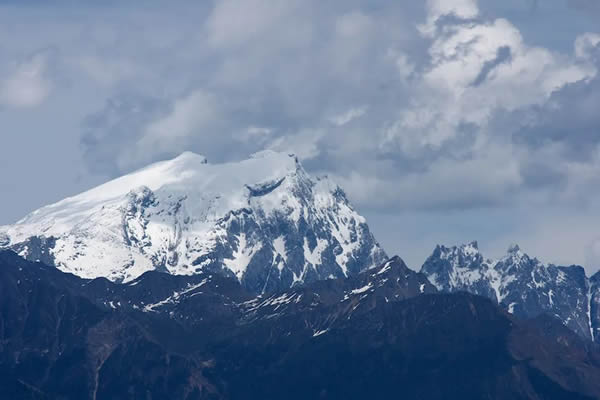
(264, 221)
(523, 285)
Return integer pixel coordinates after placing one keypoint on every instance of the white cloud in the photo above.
(463, 9)
(235, 22)
(585, 43)
(483, 181)
(108, 71)
(27, 84)
(353, 25)
(300, 76)
(187, 115)
(191, 116)
(348, 116)
(256, 132)
(305, 144)
(405, 67)
(448, 95)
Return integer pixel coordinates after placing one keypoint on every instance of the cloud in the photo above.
(192, 114)
(476, 70)
(110, 135)
(569, 119)
(438, 9)
(27, 84)
(348, 116)
(563, 133)
(201, 120)
(234, 23)
(108, 71)
(503, 55)
(586, 45)
(263, 83)
(443, 107)
(305, 144)
(484, 180)
(418, 98)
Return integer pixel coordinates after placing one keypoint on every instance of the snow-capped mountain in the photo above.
(523, 285)
(263, 220)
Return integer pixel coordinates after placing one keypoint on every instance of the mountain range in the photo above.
(267, 223)
(384, 333)
(523, 285)
(255, 280)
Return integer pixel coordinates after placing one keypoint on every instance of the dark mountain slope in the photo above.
(384, 334)
(57, 344)
(428, 347)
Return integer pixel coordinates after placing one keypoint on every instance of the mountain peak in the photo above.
(263, 220)
(393, 264)
(525, 286)
(513, 249)
(470, 250)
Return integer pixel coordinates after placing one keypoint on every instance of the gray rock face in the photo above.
(594, 284)
(4, 240)
(264, 221)
(459, 269)
(523, 285)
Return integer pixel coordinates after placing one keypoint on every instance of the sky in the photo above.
(445, 121)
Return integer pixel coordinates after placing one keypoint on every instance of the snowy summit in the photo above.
(263, 220)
